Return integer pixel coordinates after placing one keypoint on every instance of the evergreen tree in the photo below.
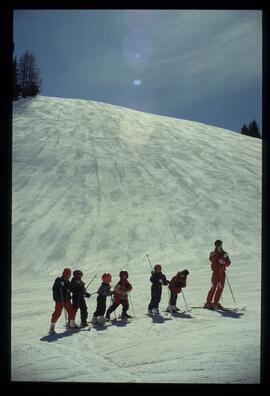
(244, 130)
(16, 87)
(28, 75)
(251, 130)
(254, 129)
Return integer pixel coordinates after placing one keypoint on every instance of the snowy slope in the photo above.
(97, 187)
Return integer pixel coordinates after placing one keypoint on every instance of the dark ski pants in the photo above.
(155, 297)
(101, 306)
(173, 298)
(81, 304)
(113, 307)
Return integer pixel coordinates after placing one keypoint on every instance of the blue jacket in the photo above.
(104, 290)
(158, 279)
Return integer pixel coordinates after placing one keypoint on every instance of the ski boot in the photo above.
(218, 306)
(126, 316)
(72, 325)
(209, 306)
(155, 312)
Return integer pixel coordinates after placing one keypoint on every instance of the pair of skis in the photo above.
(235, 309)
(111, 322)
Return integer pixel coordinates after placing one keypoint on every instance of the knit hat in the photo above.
(185, 272)
(66, 273)
(77, 273)
(218, 243)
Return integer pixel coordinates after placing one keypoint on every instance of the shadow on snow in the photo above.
(160, 319)
(230, 314)
(55, 337)
(99, 326)
(182, 315)
(119, 322)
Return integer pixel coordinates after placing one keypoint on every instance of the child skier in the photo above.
(120, 296)
(78, 293)
(175, 286)
(158, 280)
(61, 296)
(103, 292)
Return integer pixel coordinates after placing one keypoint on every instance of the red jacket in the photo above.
(219, 260)
(121, 290)
(176, 283)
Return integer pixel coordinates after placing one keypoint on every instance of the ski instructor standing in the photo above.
(219, 261)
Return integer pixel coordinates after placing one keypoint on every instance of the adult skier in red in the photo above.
(219, 261)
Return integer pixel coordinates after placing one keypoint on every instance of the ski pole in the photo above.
(169, 299)
(90, 282)
(114, 310)
(149, 262)
(184, 300)
(230, 288)
(65, 312)
(131, 304)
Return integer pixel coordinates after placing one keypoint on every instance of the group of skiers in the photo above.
(70, 295)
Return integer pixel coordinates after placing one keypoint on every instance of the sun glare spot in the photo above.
(137, 82)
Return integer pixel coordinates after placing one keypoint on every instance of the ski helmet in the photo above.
(77, 273)
(106, 277)
(181, 273)
(157, 267)
(123, 274)
(66, 273)
(218, 243)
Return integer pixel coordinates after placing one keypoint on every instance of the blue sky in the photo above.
(200, 65)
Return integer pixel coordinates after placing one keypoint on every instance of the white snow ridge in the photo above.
(96, 187)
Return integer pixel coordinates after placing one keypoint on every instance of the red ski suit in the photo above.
(219, 261)
(58, 310)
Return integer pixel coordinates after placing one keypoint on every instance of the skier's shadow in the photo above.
(55, 337)
(229, 314)
(99, 327)
(119, 323)
(182, 315)
(159, 319)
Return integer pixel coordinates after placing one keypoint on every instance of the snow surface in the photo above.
(96, 187)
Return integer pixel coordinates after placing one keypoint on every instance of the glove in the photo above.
(87, 295)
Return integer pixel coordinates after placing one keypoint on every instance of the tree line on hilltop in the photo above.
(251, 130)
(27, 82)
(26, 76)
